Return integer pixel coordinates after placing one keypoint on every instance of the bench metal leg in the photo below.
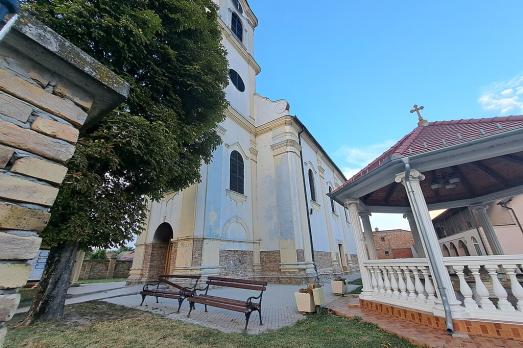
(247, 317)
(191, 306)
(180, 301)
(157, 299)
(205, 308)
(143, 299)
(259, 314)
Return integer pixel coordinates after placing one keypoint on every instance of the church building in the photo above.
(261, 210)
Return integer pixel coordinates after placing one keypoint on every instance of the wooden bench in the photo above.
(169, 289)
(247, 306)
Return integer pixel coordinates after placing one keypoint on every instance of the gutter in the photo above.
(432, 258)
(303, 129)
(8, 7)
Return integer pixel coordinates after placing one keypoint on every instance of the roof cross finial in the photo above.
(417, 109)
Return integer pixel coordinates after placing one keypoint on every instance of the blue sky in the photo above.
(352, 69)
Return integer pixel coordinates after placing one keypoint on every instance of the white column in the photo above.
(353, 209)
(367, 234)
(490, 233)
(418, 245)
(423, 221)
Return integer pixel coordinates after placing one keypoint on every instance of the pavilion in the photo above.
(442, 165)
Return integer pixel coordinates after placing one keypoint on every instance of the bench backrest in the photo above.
(237, 283)
(165, 279)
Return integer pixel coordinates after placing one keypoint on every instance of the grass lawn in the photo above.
(99, 324)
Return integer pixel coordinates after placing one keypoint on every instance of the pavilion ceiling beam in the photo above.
(514, 159)
(390, 192)
(501, 180)
(466, 183)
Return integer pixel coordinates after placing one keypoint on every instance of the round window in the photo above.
(236, 80)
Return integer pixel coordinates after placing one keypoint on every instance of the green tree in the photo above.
(170, 53)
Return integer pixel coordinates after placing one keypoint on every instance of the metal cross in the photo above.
(417, 109)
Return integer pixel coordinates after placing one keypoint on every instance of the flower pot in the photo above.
(304, 302)
(319, 296)
(338, 287)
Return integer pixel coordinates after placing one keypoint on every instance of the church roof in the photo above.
(438, 135)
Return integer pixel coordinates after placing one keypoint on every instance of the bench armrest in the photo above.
(147, 285)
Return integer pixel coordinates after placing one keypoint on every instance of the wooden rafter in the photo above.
(466, 183)
(490, 172)
(513, 159)
(390, 192)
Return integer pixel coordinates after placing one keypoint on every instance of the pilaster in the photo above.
(367, 234)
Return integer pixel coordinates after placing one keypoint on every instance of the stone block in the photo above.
(39, 168)
(8, 305)
(22, 190)
(84, 101)
(14, 108)
(35, 95)
(55, 129)
(18, 248)
(14, 275)
(15, 217)
(29, 140)
(5, 155)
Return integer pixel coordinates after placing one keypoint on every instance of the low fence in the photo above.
(105, 269)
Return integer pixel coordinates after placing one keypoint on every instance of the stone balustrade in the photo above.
(488, 287)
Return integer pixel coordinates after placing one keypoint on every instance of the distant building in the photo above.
(393, 244)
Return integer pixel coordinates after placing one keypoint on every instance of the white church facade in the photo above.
(261, 209)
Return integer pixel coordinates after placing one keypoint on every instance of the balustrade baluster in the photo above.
(465, 289)
(481, 290)
(429, 287)
(517, 289)
(393, 282)
(499, 290)
(388, 291)
(419, 287)
(401, 284)
(410, 285)
(381, 285)
(372, 278)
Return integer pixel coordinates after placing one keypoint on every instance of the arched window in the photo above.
(446, 251)
(332, 200)
(311, 185)
(453, 250)
(236, 171)
(236, 80)
(238, 5)
(463, 247)
(237, 26)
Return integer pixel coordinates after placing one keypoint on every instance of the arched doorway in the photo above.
(160, 252)
(463, 248)
(453, 250)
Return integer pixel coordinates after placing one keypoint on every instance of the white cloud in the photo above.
(353, 159)
(389, 221)
(504, 97)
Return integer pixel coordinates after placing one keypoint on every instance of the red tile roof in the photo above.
(441, 134)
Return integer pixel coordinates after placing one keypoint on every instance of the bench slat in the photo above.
(218, 304)
(236, 280)
(236, 285)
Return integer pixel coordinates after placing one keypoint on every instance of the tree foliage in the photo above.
(169, 51)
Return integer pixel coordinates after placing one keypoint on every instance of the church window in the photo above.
(236, 80)
(332, 200)
(236, 171)
(237, 26)
(237, 5)
(311, 185)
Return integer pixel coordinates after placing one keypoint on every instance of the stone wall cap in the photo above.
(36, 40)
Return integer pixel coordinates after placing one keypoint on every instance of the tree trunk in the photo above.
(49, 302)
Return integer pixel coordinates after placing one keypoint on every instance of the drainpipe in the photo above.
(504, 204)
(432, 258)
(307, 205)
(8, 7)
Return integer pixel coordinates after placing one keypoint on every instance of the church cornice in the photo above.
(227, 33)
(239, 119)
(277, 123)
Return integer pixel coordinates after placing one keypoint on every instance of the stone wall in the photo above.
(270, 261)
(323, 260)
(154, 260)
(393, 244)
(105, 269)
(236, 263)
(48, 90)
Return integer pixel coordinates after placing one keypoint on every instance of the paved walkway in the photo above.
(279, 308)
